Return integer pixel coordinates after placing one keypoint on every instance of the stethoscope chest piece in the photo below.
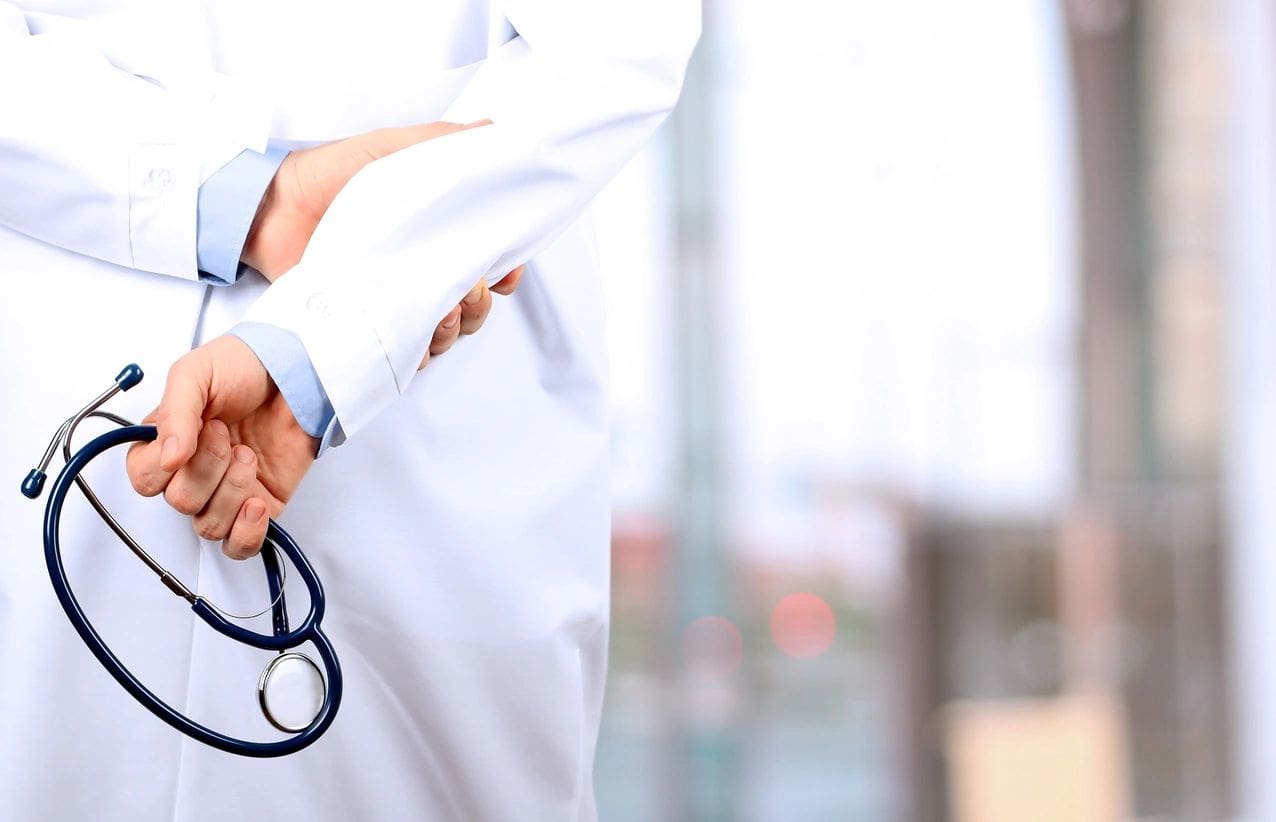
(291, 692)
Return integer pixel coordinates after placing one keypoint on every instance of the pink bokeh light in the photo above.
(803, 625)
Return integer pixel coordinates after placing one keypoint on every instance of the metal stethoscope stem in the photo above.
(34, 482)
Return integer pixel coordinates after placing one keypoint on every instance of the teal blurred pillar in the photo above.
(702, 760)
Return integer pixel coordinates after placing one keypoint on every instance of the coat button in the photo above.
(159, 180)
(318, 304)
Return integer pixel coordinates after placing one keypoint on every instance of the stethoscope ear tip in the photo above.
(33, 484)
(129, 377)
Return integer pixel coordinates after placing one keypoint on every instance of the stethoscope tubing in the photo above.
(308, 631)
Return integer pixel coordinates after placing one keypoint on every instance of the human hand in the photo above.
(229, 451)
(307, 182)
(470, 314)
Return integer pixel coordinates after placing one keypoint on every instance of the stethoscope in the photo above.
(295, 696)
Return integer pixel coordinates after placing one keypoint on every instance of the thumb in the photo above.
(180, 415)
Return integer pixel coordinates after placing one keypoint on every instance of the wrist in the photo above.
(254, 249)
(280, 229)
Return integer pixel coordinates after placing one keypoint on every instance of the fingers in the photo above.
(237, 485)
(248, 532)
(142, 466)
(219, 487)
(234, 513)
(444, 334)
(475, 307)
(193, 484)
(509, 282)
(180, 415)
(472, 312)
(179, 421)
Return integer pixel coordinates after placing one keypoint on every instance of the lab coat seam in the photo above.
(399, 386)
(129, 171)
(185, 742)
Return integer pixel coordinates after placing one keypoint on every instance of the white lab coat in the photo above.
(461, 532)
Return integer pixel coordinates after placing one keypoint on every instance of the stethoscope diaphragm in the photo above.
(291, 692)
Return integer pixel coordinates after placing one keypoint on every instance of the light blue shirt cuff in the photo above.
(224, 213)
(285, 359)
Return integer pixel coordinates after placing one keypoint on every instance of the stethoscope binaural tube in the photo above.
(281, 639)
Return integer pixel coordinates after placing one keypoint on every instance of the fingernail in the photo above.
(256, 512)
(452, 319)
(168, 451)
(474, 296)
(243, 454)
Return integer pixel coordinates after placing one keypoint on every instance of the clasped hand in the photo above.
(229, 452)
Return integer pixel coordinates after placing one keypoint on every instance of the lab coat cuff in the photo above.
(288, 365)
(227, 204)
(343, 345)
(216, 118)
(223, 115)
(333, 436)
(162, 201)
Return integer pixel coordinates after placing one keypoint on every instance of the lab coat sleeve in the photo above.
(101, 161)
(573, 97)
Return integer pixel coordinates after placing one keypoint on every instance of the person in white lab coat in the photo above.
(460, 529)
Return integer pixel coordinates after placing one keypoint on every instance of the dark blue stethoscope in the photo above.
(295, 696)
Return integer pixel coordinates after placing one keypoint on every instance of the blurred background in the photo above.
(944, 363)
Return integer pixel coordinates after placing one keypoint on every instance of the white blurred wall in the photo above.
(896, 208)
